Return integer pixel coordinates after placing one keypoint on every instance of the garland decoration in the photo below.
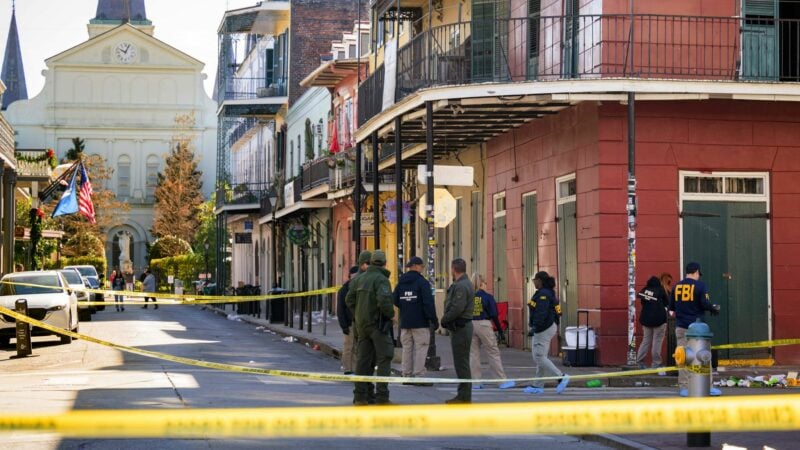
(49, 156)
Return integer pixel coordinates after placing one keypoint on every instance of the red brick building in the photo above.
(538, 93)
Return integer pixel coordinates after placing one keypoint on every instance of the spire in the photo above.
(13, 73)
(120, 11)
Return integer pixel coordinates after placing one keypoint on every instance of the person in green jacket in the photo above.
(458, 308)
(370, 299)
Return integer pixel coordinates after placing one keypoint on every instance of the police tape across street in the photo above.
(329, 377)
(672, 415)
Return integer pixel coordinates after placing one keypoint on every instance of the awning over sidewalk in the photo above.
(304, 204)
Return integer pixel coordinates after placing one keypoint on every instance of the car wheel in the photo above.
(66, 339)
(85, 315)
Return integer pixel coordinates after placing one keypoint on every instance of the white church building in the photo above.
(121, 91)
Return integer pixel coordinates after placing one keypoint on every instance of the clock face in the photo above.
(125, 52)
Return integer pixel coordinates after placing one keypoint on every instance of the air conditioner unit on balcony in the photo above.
(265, 92)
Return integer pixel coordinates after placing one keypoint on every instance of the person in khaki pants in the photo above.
(413, 296)
(483, 335)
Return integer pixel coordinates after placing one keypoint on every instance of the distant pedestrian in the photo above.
(543, 312)
(345, 317)
(655, 303)
(459, 305)
(149, 286)
(484, 316)
(128, 277)
(370, 299)
(118, 284)
(413, 296)
(689, 302)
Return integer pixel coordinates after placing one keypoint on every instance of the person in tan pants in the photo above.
(483, 335)
(413, 296)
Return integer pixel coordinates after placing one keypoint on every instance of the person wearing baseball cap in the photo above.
(414, 299)
(689, 302)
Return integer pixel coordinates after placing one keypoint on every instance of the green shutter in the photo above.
(759, 8)
(476, 230)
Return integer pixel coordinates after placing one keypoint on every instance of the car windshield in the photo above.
(72, 277)
(87, 271)
(31, 284)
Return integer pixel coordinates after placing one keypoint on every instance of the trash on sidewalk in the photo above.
(290, 339)
(234, 317)
(760, 381)
(594, 384)
(315, 347)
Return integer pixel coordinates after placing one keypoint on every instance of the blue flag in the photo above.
(69, 200)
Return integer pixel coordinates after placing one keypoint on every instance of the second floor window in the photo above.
(124, 177)
(152, 178)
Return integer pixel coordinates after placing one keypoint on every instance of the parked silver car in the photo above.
(77, 283)
(49, 299)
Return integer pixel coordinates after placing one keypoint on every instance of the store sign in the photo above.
(288, 195)
(367, 225)
(447, 175)
(243, 238)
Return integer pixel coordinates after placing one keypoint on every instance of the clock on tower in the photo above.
(125, 52)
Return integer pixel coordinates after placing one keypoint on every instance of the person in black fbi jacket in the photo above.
(544, 313)
(689, 302)
(655, 302)
(413, 296)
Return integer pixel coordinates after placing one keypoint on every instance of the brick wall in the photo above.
(314, 25)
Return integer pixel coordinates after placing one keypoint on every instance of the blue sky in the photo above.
(48, 27)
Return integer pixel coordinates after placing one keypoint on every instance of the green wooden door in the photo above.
(570, 38)
(489, 40)
(568, 264)
(729, 240)
(530, 251)
(760, 47)
(499, 256)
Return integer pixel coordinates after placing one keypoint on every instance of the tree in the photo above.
(76, 152)
(84, 244)
(207, 232)
(167, 246)
(178, 193)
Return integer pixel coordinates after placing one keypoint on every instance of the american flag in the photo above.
(85, 205)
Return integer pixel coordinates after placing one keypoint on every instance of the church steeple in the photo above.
(121, 11)
(13, 73)
(113, 13)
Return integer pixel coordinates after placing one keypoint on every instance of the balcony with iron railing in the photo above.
(591, 47)
(242, 196)
(33, 165)
(316, 173)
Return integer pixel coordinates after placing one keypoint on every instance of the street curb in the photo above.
(614, 441)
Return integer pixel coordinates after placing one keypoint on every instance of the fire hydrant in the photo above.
(696, 358)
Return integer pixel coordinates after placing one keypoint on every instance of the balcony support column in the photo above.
(376, 193)
(631, 209)
(357, 199)
(432, 362)
(9, 207)
(398, 185)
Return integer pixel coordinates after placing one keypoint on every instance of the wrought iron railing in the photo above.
(317, 172)
(242, 194)
(240, 129)
(591, 47)
(238, 88)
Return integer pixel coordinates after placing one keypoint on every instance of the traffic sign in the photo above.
(445, 208)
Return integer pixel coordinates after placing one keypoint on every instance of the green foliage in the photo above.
(207, 232)
(84, 244)
(169, 246)
(184, 267)
(76, 152)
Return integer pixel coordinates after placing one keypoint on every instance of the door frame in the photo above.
(561, 201)
(535, 239)
(725, 197)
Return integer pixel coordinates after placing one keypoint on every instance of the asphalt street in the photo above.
(83, 375)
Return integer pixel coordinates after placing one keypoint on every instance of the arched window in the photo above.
(124, 177)
(151, 180)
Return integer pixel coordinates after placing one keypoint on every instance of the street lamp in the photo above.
(273, 202)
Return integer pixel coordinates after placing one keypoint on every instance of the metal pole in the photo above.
(631, 208)
(376, 210)
(433, 362)
(357, 200)
(398, 175)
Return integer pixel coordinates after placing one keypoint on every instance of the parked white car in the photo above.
(77, 283)
(90, 274)
(54, 303)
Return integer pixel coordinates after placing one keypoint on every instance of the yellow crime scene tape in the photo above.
(758, 344)
(185, 299)
(311, 376)
(670, 415)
